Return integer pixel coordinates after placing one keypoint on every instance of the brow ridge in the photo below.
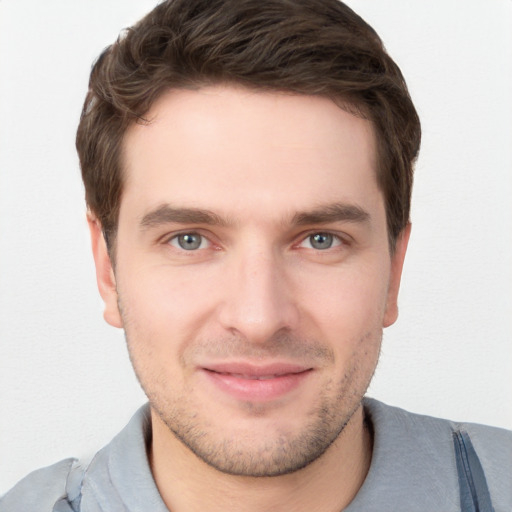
(335, 212)
(166, 214)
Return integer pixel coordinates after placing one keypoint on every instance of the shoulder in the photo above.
(109, 474)
(389, 414)
(490, 442)
(493, 444)
(41, 490)
(434, 439)
(493, 447)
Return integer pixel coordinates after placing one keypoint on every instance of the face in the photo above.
(253, 275)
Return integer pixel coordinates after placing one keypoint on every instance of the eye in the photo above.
(189, 241)
(321, 241)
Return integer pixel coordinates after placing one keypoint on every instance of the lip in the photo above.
(258, 383)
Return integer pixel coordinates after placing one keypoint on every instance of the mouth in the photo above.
(252, 377)
(258, 383)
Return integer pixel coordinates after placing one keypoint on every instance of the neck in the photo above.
(328, 484)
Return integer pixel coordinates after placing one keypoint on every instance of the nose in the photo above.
(257, 298)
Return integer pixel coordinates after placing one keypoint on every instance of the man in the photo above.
(248, 169)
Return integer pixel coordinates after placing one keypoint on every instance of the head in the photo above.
(315, 47)
(248, 169)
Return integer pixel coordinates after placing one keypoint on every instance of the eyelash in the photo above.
(338, 240)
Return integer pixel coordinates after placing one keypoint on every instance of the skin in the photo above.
(252, 177)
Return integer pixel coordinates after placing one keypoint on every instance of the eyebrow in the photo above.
(336, 212)
(166, 214)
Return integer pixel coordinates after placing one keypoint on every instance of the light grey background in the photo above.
(66, 386)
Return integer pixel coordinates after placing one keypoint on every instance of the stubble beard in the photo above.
(279, 454)
(283, 452)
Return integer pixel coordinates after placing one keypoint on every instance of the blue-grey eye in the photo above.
(189, 241)
(321, 241)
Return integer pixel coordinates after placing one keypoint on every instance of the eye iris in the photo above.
(189, 241)
(321, 241)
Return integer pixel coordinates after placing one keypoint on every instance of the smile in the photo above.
(257, 384)
(253, 377)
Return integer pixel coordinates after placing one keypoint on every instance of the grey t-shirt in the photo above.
(413, 469)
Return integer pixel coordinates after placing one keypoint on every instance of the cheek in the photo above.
(347, 299)
(347, 313)
(165, 307)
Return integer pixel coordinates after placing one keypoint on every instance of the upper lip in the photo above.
(256, 370)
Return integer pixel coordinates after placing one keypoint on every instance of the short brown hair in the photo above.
(317, 47)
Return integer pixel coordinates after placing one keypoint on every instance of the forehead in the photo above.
(227, 149)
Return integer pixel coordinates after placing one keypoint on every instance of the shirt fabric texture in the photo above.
(416, 466)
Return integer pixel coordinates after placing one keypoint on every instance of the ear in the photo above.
(104, 273)
(397, 263)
